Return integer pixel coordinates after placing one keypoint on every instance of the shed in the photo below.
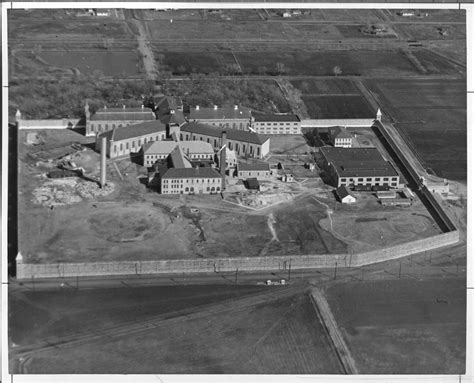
(344, 195)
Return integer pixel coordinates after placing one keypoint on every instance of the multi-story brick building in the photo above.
(243, 143)
(276, 124)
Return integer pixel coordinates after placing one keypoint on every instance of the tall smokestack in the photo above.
(223, 157)
(103, 164)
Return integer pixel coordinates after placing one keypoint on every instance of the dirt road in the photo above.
(145, 50)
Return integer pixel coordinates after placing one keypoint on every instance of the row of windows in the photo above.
(139, 144)
(368, 179)
(227, 124)
(231, 145)
(277, 123)
(376, 183)
(191, 180)
(190, 189)
(242, 173)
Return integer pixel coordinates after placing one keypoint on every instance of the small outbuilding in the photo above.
(344, 196)
(252, 184)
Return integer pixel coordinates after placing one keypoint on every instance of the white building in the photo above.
(193, 150)
(276, 124)
(344, 195)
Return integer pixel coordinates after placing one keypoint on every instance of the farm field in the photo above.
(185, 63)
(341, 106)
(110, 63)
(435, 64)
(249, 338)
(431, 114)
(326, 86)
(322, 63)
(420, 31)
(58, 313)
(356, 31)
(416, 326)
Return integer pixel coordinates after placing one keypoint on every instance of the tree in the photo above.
(336, 70)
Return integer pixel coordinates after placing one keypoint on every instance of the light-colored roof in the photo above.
(276, 118)
(178, 160)
(138, 130)
(221, 113)
(123, 114)
(199, 172)
(232, 134)
(188, 147)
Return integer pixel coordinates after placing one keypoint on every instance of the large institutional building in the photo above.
(224, 117)
(122, 141)
(358, 167)
(276, 124)
(244, 143)
(193, 150)
(107, 119)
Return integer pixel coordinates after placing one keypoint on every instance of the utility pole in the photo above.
(400, 271)
(236, 274)
(289, 270)
(335, 271)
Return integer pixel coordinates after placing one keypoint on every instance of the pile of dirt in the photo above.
(67, 191)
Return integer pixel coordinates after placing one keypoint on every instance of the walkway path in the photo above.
(145, 50)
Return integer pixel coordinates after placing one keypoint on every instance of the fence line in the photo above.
(208, 265)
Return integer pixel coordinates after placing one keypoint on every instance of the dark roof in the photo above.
(342, 192)
(123, 114)
(259, 166)
(358, 162)
(232, 134)
(173, 118)
(252, 183)
(200, 172)
(125, 132)
(221, 113)
(166, 103)
(276, 118)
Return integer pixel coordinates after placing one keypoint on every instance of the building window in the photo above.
(386, 179)
(115, 148)
(377, 179)
(394, 178)
(121, 147)
(369, 179)
(126, 146)
(139, 143)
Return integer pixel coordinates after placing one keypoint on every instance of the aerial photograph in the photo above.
(237, 191)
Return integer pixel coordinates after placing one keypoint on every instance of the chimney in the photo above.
(197, 107)
(105, 107)
(236, 107)
(123, 106)
(18, 115)
(215, 107)
(143, 106)
(103, 163)
(172, 111)
(223, 158)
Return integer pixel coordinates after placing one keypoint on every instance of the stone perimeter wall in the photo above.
(298, 262)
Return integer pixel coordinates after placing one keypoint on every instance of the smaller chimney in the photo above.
(143, 106)
(379, 115)
(172, 111)
(215, 107)
(123, 106)
(105, 107)
(197, 107)
(18, 115)
(236, 107)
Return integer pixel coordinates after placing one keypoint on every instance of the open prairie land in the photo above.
(415, 326)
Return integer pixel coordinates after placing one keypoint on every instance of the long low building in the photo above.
(276, 124)
(257, 170)
(107, 119)
(244, 143)
(224, 117)
(193, 150)
(122, 141)
(358, 166)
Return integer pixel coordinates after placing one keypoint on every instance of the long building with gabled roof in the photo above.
(124, 140)
(244, 143)
(107, 119)
(236, 117)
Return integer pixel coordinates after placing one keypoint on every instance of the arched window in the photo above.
(218, 188)
(186, 189)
